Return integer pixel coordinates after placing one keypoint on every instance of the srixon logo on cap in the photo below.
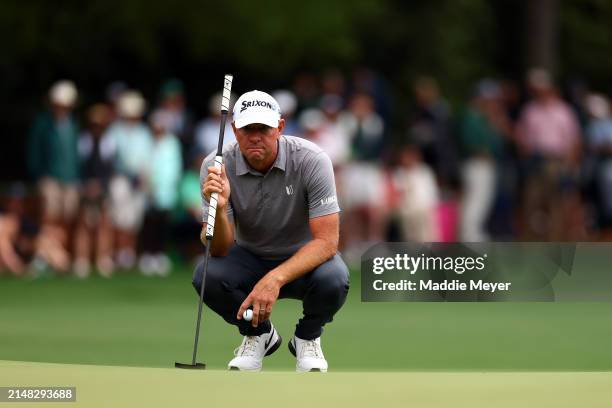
(250, 104)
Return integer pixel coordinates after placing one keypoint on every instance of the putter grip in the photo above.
(227, 89)
(212, 206)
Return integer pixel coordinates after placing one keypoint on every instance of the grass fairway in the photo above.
(108, 386)
(117, 340)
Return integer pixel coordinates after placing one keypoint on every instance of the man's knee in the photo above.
(331, 279)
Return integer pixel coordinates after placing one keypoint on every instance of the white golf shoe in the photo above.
(309, 355)
(250, 354)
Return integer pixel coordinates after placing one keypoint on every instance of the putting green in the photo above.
(112, 386)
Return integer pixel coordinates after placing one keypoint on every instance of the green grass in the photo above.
(105, 386)
(135, 321)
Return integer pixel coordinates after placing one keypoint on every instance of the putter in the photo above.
(210, 223)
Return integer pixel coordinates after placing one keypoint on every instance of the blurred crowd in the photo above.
(116, 185)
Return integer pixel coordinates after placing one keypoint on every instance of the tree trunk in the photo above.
(541, 41)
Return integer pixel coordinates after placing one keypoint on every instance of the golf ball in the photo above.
(248, 315)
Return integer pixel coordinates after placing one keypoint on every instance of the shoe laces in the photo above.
(311, 348)
(248, 346)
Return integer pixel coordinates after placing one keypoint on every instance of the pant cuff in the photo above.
(248, 330)
(307, 334)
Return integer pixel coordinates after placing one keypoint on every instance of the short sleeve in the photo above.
(320, 186)
(208, 162)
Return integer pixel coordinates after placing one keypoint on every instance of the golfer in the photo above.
(276, 235)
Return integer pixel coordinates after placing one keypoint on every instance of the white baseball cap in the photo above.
(131, 104)
(63, 93)
(256, 107)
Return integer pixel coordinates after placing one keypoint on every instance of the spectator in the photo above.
(311, 124)
(53, 158)
(548, 136)
(369, 82)
(188, 223)
(306, 89)
(288, 104)
(599, 142)
(113, 93)
(24, 244)
(173, 105)
(207, 131)
(326, 128)
(333, 83)
(94, 227)
(366, 129)
(364, 212)
(481, 133)
(163, 177)
(134, 145)
(502, 222)
(429, 129)
(415, 183)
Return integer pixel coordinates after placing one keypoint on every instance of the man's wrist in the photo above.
(278, 277)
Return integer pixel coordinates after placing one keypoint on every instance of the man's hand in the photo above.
(217, 182)
(262, 298)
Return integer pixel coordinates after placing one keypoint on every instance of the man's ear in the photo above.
(281, 126)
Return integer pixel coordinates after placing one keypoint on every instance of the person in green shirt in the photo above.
(483, 128)
(52, 156)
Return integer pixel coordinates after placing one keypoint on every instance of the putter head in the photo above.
(197, 366)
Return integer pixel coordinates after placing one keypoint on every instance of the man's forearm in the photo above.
(223, 237)
(307, 258)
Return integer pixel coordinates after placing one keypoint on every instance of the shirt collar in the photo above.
(242, 167)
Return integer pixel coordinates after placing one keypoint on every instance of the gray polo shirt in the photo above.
(271, 211)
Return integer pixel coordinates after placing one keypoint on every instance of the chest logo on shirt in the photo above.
(289, 189)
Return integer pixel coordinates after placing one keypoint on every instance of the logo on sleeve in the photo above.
(328, 200)
(289, 189)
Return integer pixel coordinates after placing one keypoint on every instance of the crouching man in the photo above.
(276, 236)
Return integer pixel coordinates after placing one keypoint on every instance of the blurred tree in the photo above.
(267, 42)
(452, 40)
(586, 41)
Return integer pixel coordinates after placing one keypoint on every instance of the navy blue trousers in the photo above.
(230, 279)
